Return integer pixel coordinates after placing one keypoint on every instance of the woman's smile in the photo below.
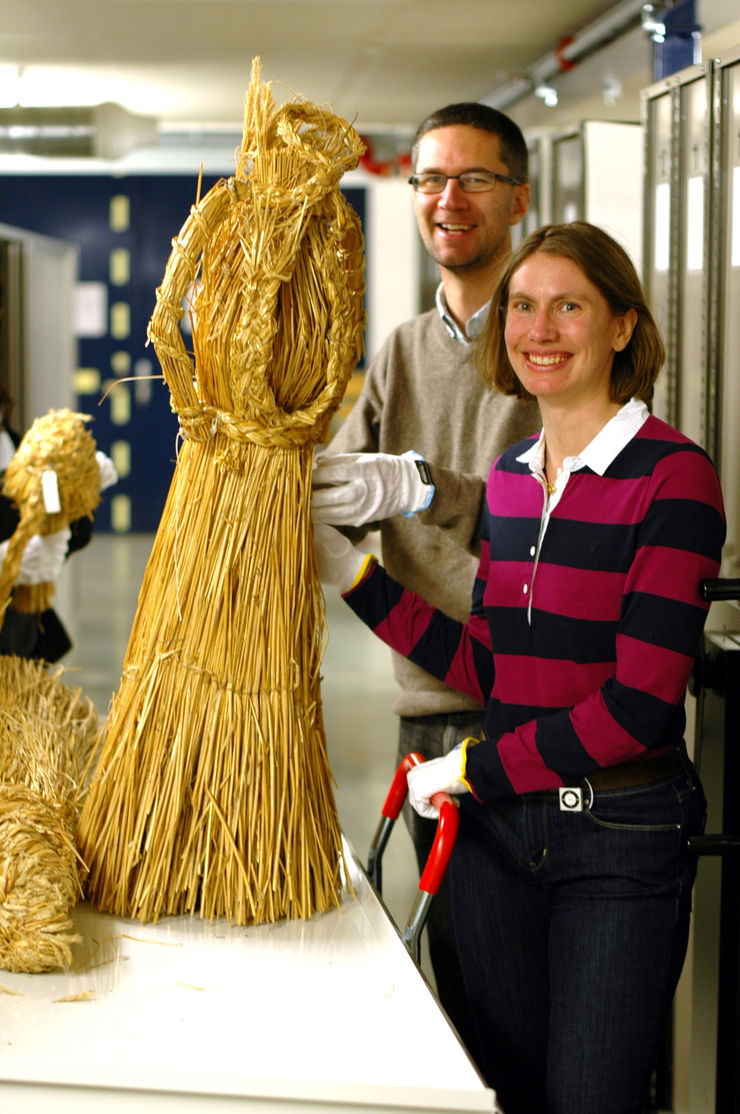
(547, 359)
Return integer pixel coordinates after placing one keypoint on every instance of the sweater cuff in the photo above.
(463, 776)
(457, 506)
(485, 773)
(365, 568)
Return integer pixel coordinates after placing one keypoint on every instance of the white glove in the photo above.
(340, 563)
(352, 489)
(440, 775)
(106, 470)
(43, 557)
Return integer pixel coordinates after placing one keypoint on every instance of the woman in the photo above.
(571, 881)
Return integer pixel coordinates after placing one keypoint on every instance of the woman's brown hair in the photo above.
(608, 266)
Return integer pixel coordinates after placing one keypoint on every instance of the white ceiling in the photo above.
(383, 64)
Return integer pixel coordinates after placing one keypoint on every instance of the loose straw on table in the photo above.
(213, 790)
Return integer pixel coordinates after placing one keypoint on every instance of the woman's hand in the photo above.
(340, 563)
(440, 775)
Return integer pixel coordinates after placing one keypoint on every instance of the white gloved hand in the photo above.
(440, 775)
(352, 489)
(43, 557)
(106, 470)
(340, 563)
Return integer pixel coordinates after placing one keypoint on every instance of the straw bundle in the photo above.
(56, 443)
(213, 790)
(46, 738)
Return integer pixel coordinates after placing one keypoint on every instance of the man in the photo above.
(422, 393)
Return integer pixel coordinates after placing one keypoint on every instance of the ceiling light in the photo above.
(650, 23)
(547, 94)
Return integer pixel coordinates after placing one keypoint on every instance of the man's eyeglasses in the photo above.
(471, 181)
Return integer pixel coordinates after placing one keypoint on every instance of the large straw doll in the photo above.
(213, 790)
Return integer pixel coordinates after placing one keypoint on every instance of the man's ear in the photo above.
(520, 203)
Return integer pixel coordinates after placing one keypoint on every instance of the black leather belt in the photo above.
(573, 798)
(636, 773)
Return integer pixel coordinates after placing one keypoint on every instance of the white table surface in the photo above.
(326, 1014)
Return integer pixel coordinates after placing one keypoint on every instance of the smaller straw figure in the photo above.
(53, 479)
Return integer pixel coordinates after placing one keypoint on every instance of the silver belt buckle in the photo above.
(570, 798)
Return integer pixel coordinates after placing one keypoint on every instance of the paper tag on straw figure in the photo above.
(50, 492)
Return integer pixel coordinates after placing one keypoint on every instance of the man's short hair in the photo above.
(473, 114)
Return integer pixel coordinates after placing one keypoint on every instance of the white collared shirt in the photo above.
(473, 327)
(597, 455)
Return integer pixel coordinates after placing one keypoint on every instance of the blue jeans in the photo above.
(433, 736)
(572, 930)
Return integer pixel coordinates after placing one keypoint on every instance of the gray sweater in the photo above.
(422, 391)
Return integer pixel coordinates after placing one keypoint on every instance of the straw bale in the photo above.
(213, 790)
(48, 731)
(47, 739)
(39, 880)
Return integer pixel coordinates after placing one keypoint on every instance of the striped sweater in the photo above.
(581, 639)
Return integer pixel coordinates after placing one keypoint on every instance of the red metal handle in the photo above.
(439, 856)
(446, 834)
(399, 788)
(444, 842)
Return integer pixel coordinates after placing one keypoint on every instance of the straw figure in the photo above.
(53, 479)
(213, 791)
(47, 735)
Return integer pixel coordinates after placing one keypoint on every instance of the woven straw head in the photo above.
(57, 442)
(275, 256)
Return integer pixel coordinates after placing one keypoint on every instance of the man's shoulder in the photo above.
(426, 327)
(422, 341)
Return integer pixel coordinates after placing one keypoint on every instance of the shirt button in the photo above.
(532, 552)
(525, 589)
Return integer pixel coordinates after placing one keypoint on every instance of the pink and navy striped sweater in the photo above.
(580, 642)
